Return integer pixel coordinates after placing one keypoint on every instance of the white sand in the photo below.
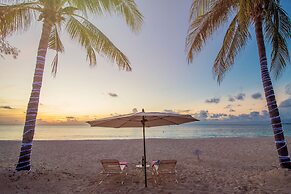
(228, 165)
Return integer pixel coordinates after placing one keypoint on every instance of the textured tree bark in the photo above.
(32, 107)
(280, 141)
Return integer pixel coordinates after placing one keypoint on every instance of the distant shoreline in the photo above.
(209, 122)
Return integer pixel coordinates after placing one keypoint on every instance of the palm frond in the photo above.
(277, 31)
(55, 41)
(79, 32)
(93, 40)
(234, 41)
(55, 44)
(16, 17)
(202, 27)
(200, 7)
(126, 8)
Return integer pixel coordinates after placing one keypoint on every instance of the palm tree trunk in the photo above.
(32, 108)
(280, 141)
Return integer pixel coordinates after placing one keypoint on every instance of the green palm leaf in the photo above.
(56, 44)
(15, 18)
(277, 31)
(203, 26)
(126, 8)
(93, 40)
(235, 39)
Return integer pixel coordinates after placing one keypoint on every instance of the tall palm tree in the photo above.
(271, 22)
(72, 17)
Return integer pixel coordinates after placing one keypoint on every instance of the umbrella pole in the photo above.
(144, 153)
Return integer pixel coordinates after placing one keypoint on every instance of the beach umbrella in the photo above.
(143, 119)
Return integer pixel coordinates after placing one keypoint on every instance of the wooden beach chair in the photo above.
(162, 169)
(113, 167)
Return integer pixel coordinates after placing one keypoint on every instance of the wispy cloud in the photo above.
(228, 106)
(114, 95)
(169, 111)
(218, 116)
(257, 96)
(240, 96)
(6, 107)
(184, 111)
(231, 99)
(71, 118)
(213, 100)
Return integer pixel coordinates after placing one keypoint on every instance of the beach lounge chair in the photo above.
(113, 167)
(162, 169)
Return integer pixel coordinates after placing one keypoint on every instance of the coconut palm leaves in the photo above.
(58, 16)
(206, 16)
(277, 31)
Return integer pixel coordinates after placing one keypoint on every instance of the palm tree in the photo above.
(71, 16)
(271, 22)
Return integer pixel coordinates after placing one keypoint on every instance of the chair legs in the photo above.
(122, 177)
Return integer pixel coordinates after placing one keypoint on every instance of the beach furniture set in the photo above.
(160, 169)
(145, 120)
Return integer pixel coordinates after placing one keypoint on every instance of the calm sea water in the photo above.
(186, 131)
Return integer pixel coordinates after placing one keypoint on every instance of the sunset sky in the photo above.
(161, 79)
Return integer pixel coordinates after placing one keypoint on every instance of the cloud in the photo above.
(71, 118)
(288, 89)
(228, 106)
(201, 115)
(231, 99)
(183, 111)
(169, 111)
(114, 95)
(134, 110)
(218, 116)
(240, 96)
(285, 103)
(187, 111)
(252, 116)
(6, 107)
(257, 95)
(213, 100)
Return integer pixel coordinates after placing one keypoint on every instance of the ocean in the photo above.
(185, 131)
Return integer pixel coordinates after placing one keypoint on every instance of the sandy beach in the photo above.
(227, 165)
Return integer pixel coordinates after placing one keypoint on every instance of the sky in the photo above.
(161, 78)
